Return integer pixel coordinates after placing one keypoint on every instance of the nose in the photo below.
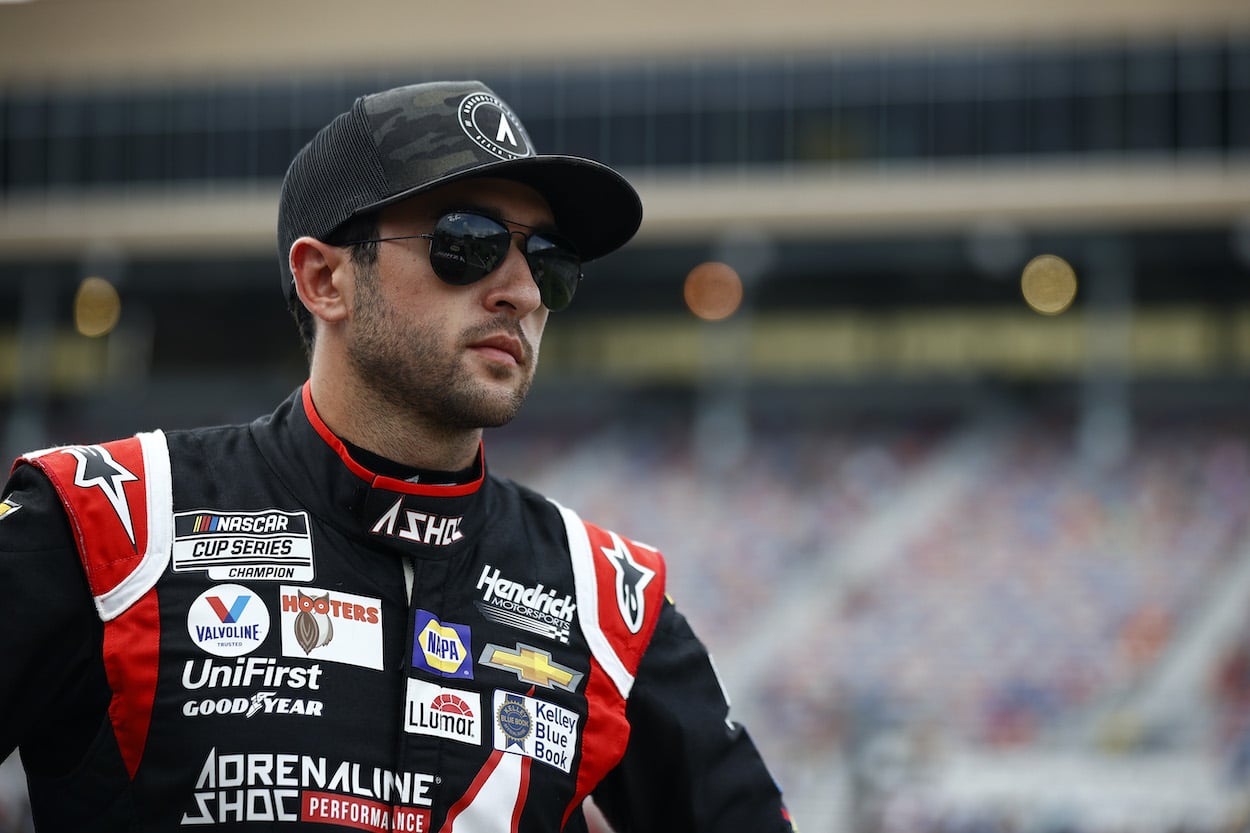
(512, 285)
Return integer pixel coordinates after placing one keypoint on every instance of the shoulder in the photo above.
(32, 518)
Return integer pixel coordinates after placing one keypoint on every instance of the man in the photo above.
(337, 615)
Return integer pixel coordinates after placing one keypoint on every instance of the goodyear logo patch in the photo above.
(536, 729)
(442, 648)
(267, 545)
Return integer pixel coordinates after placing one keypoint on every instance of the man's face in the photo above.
(461, 357)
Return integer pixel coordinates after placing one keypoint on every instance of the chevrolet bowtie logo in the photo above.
(531, 666)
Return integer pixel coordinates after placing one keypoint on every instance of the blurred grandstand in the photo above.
(964, 566)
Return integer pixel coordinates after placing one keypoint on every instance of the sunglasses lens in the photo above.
(466, 247)
(556, 268)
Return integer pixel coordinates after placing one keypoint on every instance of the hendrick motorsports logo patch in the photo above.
(267, 545)
(537, 609)
(536, 729)
(228, 621)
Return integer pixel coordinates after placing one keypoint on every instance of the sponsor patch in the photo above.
(329, 625)
(268, 545)
(536, 729)
(540, 610)
(442, 648)
(8, 507)
(631, 579)
(531, 665)
(228, 620)
(278, 787)
(280, 682)
(441, 712)
(98, 470)
(418, 527)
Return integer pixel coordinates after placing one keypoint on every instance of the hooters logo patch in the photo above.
(329, 625)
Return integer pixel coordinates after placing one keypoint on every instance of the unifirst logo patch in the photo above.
(228, 621)
(442, 648)
(536, 729)
(329, 625)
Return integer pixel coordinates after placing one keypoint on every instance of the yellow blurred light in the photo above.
(713, 291)
(97, 307)
(1048, 284)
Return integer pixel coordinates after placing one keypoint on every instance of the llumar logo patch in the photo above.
(269, 544)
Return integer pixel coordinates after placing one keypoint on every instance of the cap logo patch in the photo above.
(493, 126)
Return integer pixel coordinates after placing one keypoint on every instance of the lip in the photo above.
(500, 344)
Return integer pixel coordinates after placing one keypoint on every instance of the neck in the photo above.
(359, 416)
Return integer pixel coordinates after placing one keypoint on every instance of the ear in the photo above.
(321, 277)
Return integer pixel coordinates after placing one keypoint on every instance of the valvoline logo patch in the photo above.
(442, 648)
(228, 620)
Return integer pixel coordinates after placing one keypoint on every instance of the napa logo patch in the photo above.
(267, 545)
(330, 625)
(536, 729)
(431, 709)
(8, 507)
(228, 620)
(442, 648)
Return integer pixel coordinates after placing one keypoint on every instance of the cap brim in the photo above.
(594, 207)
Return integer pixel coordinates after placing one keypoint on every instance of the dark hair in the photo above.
(361, 227)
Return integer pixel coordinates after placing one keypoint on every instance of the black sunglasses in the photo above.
(466, 247)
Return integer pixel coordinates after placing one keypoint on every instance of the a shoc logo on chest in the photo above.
(331, 625)
(442, 648)
(418, 527)
(267, 545)
(228, 620)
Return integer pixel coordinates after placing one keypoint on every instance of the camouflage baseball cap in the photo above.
(398, 143)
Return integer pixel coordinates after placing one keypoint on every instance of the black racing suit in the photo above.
(245, 628)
